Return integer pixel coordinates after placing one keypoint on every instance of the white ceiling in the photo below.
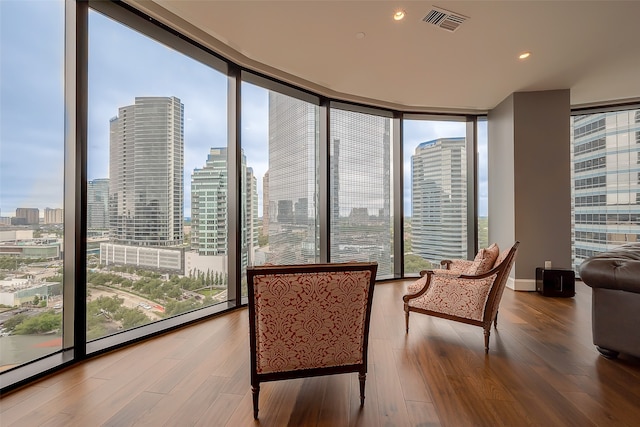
(589, 47)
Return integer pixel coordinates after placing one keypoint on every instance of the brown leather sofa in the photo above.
(614, 277)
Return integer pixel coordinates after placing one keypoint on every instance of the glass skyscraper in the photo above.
(605, 182)
(209, 205)
(209, 208)
(98, 204)
(360, 189)
(291, 186)
(146, 173)
(250, 226)
(439, 199)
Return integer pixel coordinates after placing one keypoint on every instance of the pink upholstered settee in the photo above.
(309, 320)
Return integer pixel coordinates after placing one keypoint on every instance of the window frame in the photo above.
(76, 33)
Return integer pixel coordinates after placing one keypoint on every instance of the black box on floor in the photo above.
(555, 282)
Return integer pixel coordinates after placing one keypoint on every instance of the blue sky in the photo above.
(122, 65)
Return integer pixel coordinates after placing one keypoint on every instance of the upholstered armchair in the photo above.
(309, 320)
(464, 291)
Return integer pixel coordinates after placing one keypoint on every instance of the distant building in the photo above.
(48, 249)
(26, 216)
(289, 207)
(360, 189)
(155, 258)
(606, 182)
(251, 221)
(13, 236)
(209, 229)
(439, 199)
(265, 202)
(53, 216)
(98, 204)
(17, 291)
(146, 163)
(22, 244)
(209, 219)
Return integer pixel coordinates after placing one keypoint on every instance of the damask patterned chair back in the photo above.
(309, 320)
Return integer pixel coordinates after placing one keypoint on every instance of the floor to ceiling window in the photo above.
(435, 193)
(32, 180)
(605, 181)
(157, 181)
(174, 197)
(360, 188)
(280, 183)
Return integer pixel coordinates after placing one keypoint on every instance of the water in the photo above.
(19, 349)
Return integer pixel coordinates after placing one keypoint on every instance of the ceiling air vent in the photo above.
(444, 19)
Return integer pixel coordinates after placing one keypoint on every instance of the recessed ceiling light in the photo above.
(360, 35)
(524, 55)
(399, 15)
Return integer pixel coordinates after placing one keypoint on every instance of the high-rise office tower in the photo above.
(360, 189)
(251, 216)
(98, 204)
(209, 208)
(606, 182)
(265, 203)
(439, 199)
(292, 185)
(146, 173)
(209, 230)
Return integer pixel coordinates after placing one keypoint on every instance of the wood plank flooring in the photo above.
(542, 370)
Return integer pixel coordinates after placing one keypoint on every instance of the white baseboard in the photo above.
(521, 284)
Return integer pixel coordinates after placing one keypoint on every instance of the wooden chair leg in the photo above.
(362, 377)
(495, 321)
(256, 392)
(487, 332)
(406, 319)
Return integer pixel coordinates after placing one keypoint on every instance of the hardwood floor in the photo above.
(541, 370)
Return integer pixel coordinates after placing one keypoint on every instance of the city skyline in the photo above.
(151, 69)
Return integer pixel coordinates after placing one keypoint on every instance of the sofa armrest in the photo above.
(618, 269)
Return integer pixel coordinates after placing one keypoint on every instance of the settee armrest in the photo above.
(617, 269)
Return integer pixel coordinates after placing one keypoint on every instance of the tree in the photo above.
(415, 264)
(132, 317)
(108, 304)
(11, 323)
(41, 323)
(178, 307)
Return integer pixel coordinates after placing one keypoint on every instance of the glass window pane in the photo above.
(156, 196)
(483, 184)
(31, 180)
(360, 189)
(435, 193)
(605, 181)
(280, 139)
